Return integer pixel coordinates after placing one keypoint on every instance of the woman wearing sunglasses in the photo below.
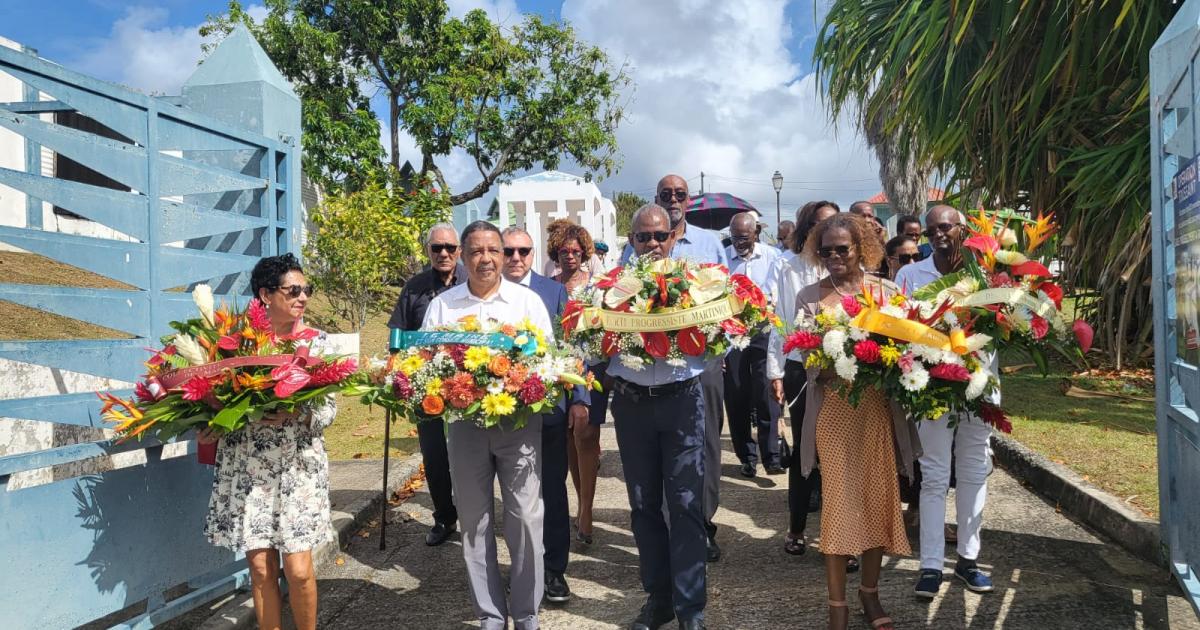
(570, 248)
(901, 251)
(271, 491)
(858, 446)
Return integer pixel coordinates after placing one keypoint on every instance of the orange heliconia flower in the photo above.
(983, 224)
(499, 365)
(1039, 231)
(432, 405)
(252, 382)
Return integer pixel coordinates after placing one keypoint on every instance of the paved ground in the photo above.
(1049, 572)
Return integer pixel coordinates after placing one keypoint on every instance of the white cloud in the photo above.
(143, 52)
(502, 11)
(718, 91)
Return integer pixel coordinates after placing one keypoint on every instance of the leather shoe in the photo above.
(655, 613)
(749, 470)
(775, 469)
(714, 550)
(692, 624)
(439, 533)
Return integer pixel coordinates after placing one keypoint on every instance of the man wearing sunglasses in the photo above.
(660, 417)
(701, 246)
(556, 528)
(967, 445)
(749, 402)
(444, 272)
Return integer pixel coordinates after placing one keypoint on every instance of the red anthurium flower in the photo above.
(983, 243)
(950, 372)
(1054, 292)
(292, 380)
(158, 359)
(657, 344)
(1031, 268)
(745, 289)
(609, 279)
(802, 340)
(610, 343)
(1083, 334)
(691, 341)
(663, 296)
(572, 312)
(717, 265)
(734, 327)
(1000, 279)
(1039, 326)
(230, 342)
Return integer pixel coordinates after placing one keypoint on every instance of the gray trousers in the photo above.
(712, 384)
(478, 457)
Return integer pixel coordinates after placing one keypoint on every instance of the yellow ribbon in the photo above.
(872, 320)
(1040, 307)
(615, 321)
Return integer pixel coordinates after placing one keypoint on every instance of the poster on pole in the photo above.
(1185, 190)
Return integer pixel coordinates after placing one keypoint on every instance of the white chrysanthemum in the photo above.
(804, 322)
(740, 342)
(202, 295)
(679, 362)
(846, 368)
(950, 318)
(838, 312)
(893, 310)
(834, 343)
(978, 383)
(977, 341)
(915, 379)
(633, 362)
(495, 386)
(858, 334)
(928, 354)
(189, 349)
(950, 357)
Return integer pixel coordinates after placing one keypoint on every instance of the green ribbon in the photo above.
(403, 339)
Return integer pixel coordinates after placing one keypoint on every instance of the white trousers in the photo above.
(970, 443)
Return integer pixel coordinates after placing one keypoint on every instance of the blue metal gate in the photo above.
(1175, 192)
(200, 186)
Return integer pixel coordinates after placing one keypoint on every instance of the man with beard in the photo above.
(968, 444)
(660, 417)
(441, 245)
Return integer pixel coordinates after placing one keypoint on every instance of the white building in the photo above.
(534, 201)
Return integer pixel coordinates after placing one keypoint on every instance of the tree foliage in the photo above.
(626, 204)
(511, 98)
(365, 242)
(1036, 105)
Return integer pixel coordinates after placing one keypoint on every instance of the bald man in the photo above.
(749, 403)
(967, 445)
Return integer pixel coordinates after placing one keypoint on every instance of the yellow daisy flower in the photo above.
(433, 387)
(476, 357)
(501, 404)
(411, 364)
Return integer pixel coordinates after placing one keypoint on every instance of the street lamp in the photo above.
(777, 182)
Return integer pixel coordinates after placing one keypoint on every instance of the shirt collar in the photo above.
(527, 279)
(508, 293)
(754, 253)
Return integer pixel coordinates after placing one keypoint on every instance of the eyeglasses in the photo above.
(524, 251)
(909, 258)
(827, 252)
(740, 239)
(665, 195)
(574, 253)
(294, 290)
(644, 237)
(944, 228)
(438, 248)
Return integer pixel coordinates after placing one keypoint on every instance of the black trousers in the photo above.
(800, 488)
(556, 526)
(750, 405)
(431, 435)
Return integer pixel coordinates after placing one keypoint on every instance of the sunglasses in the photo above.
(944, 228)
(644, 237)
(909, 258)
(665, 195)
(523, 251)
(740, 239)
(438, 248)
(827, 252)
(574, 253)
(294, 290)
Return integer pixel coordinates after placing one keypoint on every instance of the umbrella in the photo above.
(714, 210)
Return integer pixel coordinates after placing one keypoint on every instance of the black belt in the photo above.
(653, 391)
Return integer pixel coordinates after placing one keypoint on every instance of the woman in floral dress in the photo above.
(271, 492)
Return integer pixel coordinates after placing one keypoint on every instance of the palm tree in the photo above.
(902, 169)
(1037, 105)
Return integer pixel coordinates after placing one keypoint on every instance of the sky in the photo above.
(723, 87)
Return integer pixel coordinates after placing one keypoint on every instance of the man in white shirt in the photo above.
(478, 456)
(749, 403)
(968, 444)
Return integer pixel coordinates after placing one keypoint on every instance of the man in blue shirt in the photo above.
(659, 413)
(749, 401)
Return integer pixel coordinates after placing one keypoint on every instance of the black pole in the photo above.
(383, 510)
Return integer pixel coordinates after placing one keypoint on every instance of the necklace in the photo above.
(837, 290)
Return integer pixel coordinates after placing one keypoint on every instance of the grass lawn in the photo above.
(1111, 442)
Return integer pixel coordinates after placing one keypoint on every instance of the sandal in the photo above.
(851, 565)
(579, 535)
(882, 622)
(795, 545)
(840, 606)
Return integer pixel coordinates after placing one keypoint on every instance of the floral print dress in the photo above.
(271, 489)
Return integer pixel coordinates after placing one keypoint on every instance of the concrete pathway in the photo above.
(1049, 572)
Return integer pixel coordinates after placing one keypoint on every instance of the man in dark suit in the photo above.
(556, 528)
(441, 244)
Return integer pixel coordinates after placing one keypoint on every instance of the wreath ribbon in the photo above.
(403, 339)
(616, 321)
(872, 320)
(1013, 297)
